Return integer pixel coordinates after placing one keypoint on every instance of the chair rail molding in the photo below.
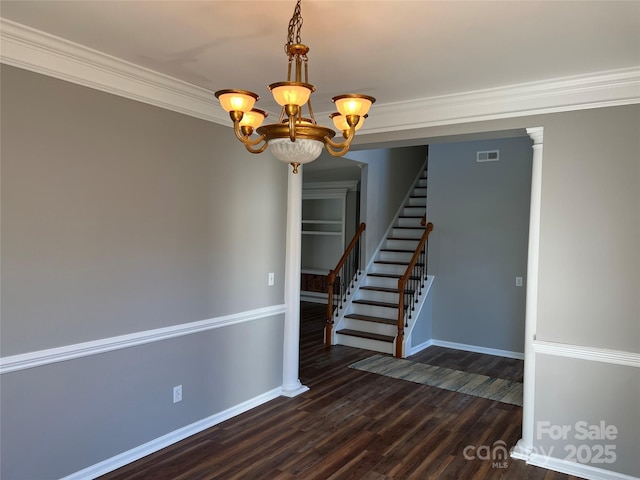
(39, 358)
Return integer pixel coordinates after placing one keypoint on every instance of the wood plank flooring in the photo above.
(354, 425)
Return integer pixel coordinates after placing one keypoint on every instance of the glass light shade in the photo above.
(340, 122)
(236, 100)
(301, 151)
(353, 104)
(291, 93)
(253, 118)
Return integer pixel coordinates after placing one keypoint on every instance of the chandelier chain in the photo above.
(295, 25)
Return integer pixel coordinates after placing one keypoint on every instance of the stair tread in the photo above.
(369, 318)
(389, 275)
(376, 303)
(389, 262)
(419, 227)
(383, 289)
(398, 250)
(370, 336)
(403, 238)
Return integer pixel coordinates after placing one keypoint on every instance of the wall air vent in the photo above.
(488, 156)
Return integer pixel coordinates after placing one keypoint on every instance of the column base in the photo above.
(521, 451)
(293, 390)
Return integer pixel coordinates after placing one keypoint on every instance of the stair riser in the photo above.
(377, 296)
(364, 343)
(381, 282)
(415, 201)
(412, 211)
(374, 311)
(420, 191)
(401, 257)
(407, 233)
(422, 182)
(402, 244)
(409, 222)
(392, 269)
(370, 327)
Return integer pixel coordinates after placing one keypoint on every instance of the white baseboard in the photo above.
(418, 348)
(170, 438)
(478, 349)
(576, 469)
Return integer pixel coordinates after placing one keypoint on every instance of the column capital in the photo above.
(536, 134)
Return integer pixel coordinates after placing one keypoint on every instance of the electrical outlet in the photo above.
(177, 394)
(272, 279)
(518, 281)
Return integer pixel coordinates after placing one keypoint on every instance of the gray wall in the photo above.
(387, 177)
(119, 217)
(479, 245)
(589, 266)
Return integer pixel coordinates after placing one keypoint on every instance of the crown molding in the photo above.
(599, 89)
(40, 52)
(34, 50)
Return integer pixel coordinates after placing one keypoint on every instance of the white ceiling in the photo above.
(394, 50)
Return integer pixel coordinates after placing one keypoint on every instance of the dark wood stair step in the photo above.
(383, 289)
(410, 228)
(396, 250)
(370, 336)
(369, 318)
(374, 303)
(389, 262)
(403, 238)
(389, 275)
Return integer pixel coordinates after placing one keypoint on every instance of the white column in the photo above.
(524, 447)
(291, 385)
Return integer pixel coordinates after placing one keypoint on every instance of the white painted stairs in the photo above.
(369, 317)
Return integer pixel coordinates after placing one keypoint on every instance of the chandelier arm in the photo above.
(262, 148)
(244, 139)
(339, 149)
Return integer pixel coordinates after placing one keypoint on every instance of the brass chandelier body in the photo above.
(294, 139)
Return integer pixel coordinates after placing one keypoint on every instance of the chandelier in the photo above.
(296, 139)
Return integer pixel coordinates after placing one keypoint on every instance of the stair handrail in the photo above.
(416, 273)
(352, 271)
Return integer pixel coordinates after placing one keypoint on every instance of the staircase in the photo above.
(369, 317)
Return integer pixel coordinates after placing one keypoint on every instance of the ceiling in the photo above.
(395, 50)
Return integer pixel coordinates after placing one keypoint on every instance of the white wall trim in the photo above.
(594, 354)
(40, 52)
(598, 89)
(159, 443)
(580, 470)
(418, 348)
(39, 358)
(348, 185)
(478, 349)
(37, 51)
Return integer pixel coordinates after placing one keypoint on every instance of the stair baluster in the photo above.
(344, 276)
(414, 278)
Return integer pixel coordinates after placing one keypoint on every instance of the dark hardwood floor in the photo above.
(355, 425)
